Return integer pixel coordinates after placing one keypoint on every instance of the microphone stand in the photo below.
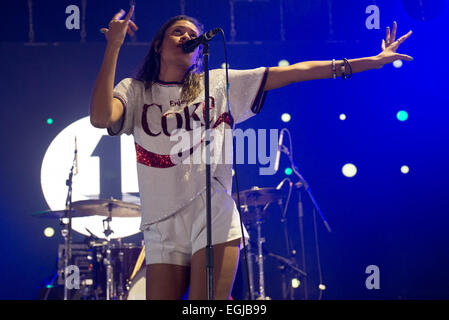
(67, 231)
(298, 186)
(302, 183)
(209, 246)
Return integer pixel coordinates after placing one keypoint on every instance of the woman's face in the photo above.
(171, 49)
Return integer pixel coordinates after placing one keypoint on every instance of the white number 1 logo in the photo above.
(106, 168)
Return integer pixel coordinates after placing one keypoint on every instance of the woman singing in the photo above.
(166, 96)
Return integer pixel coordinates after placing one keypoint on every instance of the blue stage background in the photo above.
(382, 217)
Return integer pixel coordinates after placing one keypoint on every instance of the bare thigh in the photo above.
(166, 281)
(226, 258)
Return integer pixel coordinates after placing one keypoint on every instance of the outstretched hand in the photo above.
(118, 28)
(390, 46)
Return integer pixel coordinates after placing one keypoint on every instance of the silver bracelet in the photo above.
(343, 71)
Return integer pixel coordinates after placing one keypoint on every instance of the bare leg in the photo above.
(226, 258)
(166, 281)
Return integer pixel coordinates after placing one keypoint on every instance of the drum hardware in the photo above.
(245, 210)
(107, 260)
(284, 265)
(116, 282)
(260, 263)
(120, 284)
(254, 204)
(258, 256)
(256, 197)
(89, 257)
(82, 258)
(88, 208)
(288, 263)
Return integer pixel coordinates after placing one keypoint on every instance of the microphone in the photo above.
(278, 153)
(76, 158)
(279, 186)
(191, 45)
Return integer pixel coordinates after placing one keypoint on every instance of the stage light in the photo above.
(49, 232)
(322, 287)
(295, 283)
(288, 171)
(49, 121)
(398, 63)
(402, 115)
(286, 117)
(349, 170)
(233, 172)
(405, 169)
(283, 63)
(342, 117)
(223, 65)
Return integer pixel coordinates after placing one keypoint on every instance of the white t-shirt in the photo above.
(168, 179)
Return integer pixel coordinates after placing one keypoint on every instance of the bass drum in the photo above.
(137, 288)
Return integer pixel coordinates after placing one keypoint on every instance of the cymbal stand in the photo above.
(250, 263)
(260, 242)
(107, 261)
(121, 282)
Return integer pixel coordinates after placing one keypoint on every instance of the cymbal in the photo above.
(58, 214)
(256, 196)
(253, 199)
(102, 207)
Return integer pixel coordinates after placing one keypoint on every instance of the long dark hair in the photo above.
(151, 67)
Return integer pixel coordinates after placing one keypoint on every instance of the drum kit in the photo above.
(106, 267)
(113, 270)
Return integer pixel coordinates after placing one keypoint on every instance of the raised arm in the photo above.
(312, 70)
(104, 109)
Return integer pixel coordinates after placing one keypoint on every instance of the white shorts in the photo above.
(175, 239)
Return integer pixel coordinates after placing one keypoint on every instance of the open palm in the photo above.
(390, 46)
